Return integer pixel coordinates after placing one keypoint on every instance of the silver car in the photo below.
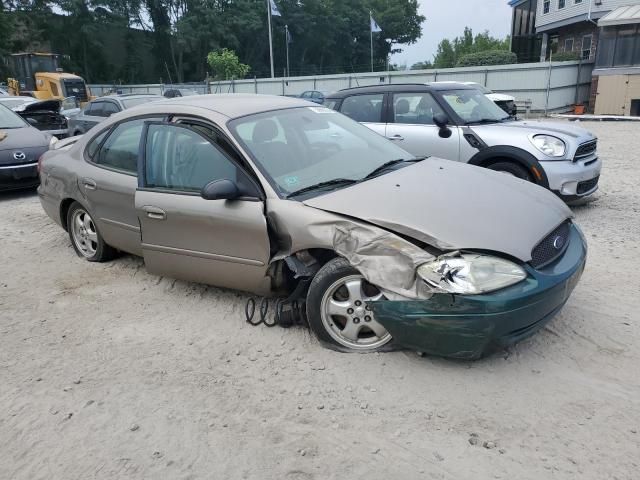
(282, 197)
(458, 122)
(99, 109)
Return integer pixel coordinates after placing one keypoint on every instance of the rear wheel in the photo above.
(338, 312)
(512, 169)
(85, 237)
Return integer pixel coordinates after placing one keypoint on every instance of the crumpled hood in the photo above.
(22, 138)
(453, 206)
(43, 106)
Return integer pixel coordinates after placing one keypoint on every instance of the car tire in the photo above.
(511, 168)
(85, 236)
(337, 309)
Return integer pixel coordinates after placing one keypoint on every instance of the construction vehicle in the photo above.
(39, 75)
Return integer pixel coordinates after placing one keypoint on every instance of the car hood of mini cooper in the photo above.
(453, 206)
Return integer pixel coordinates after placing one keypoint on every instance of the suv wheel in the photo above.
(512, 169)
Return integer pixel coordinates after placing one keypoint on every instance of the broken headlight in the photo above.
(470, 273)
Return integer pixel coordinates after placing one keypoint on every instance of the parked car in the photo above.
(275, 195)
(458, 122)
(315, 96)
(99, 109)
(179, 92)
(504, 101)
(21, 145)
(45, 115)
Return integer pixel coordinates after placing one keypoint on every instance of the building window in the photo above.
(545, 6)
(568, 45)
(577, 1)
(586, 47)
(561, 4)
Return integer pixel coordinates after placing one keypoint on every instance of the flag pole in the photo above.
(286, 39)
(371, 35)
(270, 39)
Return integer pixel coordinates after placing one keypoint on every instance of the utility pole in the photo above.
(270, 39)
(286, 40)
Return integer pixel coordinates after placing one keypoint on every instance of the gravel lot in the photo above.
(109, 372)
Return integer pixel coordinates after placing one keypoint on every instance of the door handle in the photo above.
(396, 137)
(155, 213)
(89, 184)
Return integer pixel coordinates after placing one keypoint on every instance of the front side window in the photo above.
(363, 108)
(415, 108)
(96, 109)
(180, 159)
(472, 106)
(296, 148)
(109, 109)
(120, 150)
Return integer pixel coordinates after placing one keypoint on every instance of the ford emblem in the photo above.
(558, 242)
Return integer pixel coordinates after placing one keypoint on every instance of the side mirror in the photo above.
(220, 190)
(441, 120)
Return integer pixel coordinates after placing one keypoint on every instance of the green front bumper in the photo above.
(469, 326)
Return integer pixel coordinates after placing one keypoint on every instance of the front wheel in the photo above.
(511, 168)
(338, 312)
(85, 237)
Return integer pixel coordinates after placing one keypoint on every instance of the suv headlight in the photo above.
(52, 142)
(470, 273)
(549, 145)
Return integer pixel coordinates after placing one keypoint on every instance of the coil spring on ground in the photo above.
(287, 312)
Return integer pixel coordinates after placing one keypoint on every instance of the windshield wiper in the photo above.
(319, 186)
(375, 172)
(487, 120)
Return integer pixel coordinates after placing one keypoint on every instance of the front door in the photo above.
(411, 127)
(218, 242)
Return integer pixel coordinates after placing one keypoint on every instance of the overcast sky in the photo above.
(447, 19)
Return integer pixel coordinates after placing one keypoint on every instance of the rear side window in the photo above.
(109, 109)
(120, 150)
(95, 144)
(96, 109)
(363, 108)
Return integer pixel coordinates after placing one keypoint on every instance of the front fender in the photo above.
(515, 154)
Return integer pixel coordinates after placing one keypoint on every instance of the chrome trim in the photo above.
(124, 226)
(24, 165)
(208, 256)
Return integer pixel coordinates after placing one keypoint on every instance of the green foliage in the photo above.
(489, 57)
(422, 66)
(149, 40)
(450, 52)
(226, 65)
(565, 56)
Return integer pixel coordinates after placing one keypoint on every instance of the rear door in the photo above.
(93, 114)
(366, 109)
(411, 126)
(110, 185)
(218, 242)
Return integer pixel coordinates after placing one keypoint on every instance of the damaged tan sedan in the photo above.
(280, 197)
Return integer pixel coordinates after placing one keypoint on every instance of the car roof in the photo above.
(234, 105)
(402, 87)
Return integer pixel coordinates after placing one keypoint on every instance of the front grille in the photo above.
(551, 247)
(587, 185)
(585, 150)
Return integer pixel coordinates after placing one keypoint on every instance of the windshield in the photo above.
(300, 147)
(8, 119)
(132, 102)
(472, 106)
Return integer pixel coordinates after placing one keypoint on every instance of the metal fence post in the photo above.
(546, 103)
(486, 76)
(435, 76)
(255, 84)
(577, 99)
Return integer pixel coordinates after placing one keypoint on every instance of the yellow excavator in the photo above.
(39, 75)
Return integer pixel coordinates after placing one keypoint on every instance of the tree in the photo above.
(226, 65)
(489, 57)
(450, 52)
(426, 65)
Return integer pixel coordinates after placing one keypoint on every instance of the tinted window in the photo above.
(109, 109)
(178, 158)
(95, 109)
(120, 150)
(94, 144)
(330, 103)
(415, 108)
(363, 108)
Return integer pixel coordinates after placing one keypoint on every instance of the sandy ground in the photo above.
(109, 372)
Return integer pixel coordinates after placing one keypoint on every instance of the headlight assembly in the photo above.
(470, 273)
(52, 142)
(549, 145)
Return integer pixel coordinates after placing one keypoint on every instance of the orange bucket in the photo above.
(578, 109)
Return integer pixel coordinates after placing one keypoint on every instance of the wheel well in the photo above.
(64, 209)
(490, 161)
